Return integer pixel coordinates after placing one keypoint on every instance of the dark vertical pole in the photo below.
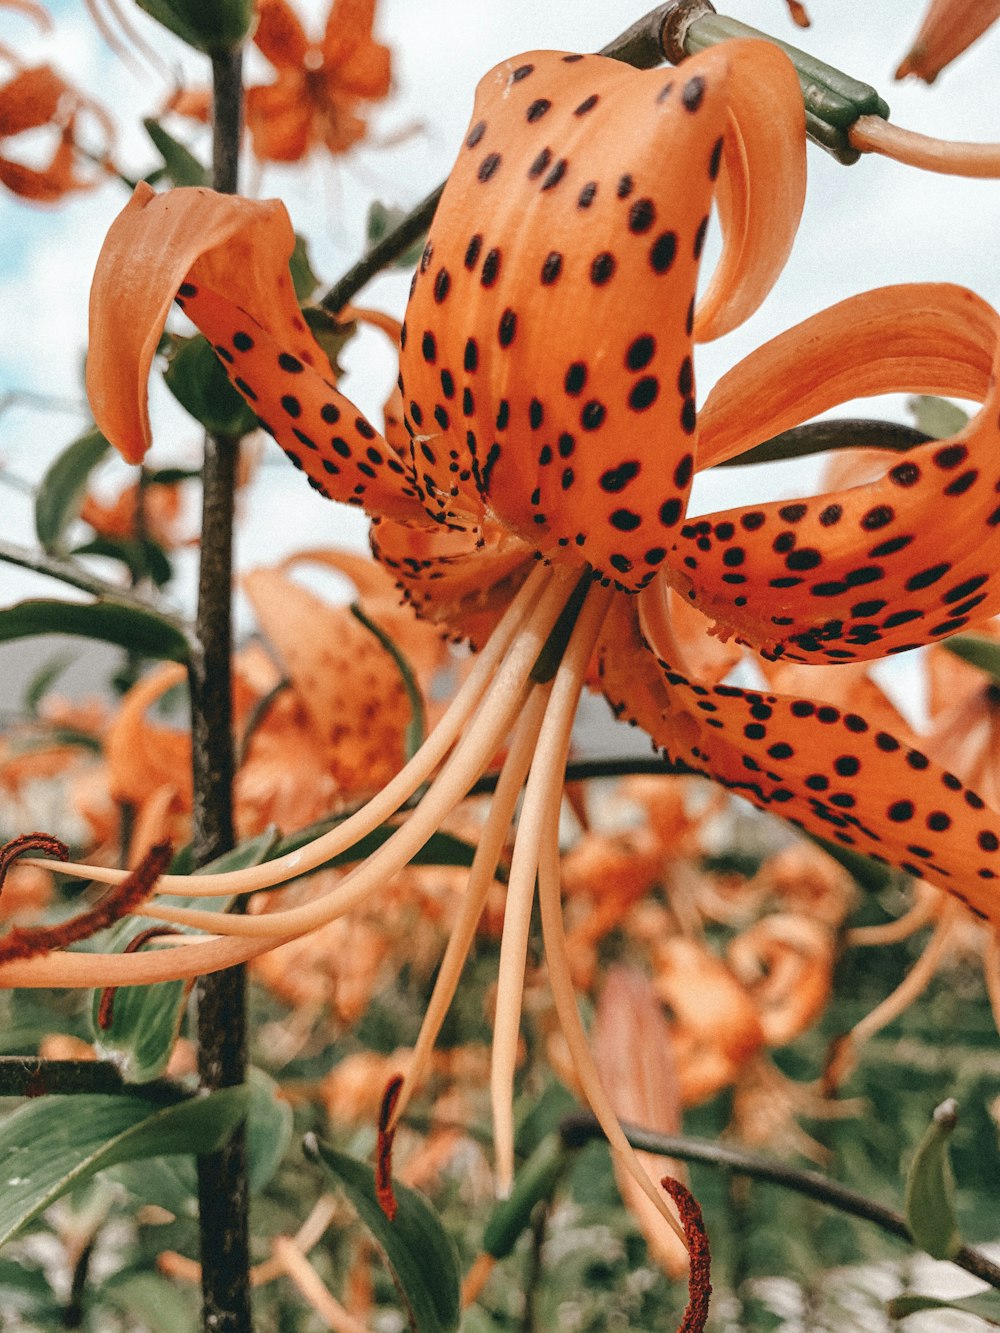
(222, 1177)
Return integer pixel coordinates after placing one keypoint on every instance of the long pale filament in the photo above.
(491, 841)
(378, 809)
(564, 995)
(872, 134)
(505, 700)
(544, 792)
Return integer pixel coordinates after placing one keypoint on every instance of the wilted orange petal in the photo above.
(633, 1051)
(949, 27)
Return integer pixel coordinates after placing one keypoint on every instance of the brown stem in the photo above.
(222, 1176)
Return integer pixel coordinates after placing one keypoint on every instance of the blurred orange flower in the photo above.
(34, 97)
(314, 97)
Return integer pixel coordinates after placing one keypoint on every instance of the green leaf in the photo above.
(142, 559)
(144, 1020)
(930, 1187)
(383, 219)
(159, 1305)
(269, 1130)
(170, 476)
(536, 1180)
(213, 28)
(197, 380)
(936, 416)
(985, 1305)
(135, 628)
(416, 1245)
(182, 167)
(304, 280)
(50, 1145)
(61, 492)
(416, 728)
(26, 1290)
(43, 680)
(978, 651)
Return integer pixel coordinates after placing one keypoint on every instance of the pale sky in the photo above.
(868, 225)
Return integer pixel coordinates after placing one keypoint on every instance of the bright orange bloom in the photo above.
(548, 390)
(314, 99)
(949, 27)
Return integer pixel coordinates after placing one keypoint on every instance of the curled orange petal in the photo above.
(232, 245)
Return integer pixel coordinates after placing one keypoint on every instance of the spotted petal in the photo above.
(878, 568)
(204, 244)
(832, 772)
(550, 328)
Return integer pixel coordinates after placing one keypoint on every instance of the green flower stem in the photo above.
(579, 1129)
(223, 1196)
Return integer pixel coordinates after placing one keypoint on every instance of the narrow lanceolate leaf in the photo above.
(416, 1245)
(50, 1145)
(60, 495)
(180, 164)
(978, 651)
(985, 1306)
(930, 1187)
(132, 627)
(159, 1305)
(43, 680)
(198, 382)
(136, 1026)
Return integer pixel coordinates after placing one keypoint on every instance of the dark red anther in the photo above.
(700, 1256)
(383, 1153)
(28, 942)
(30, 842)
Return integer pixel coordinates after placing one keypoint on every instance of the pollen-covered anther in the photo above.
(28, 942)
(30, 842)
(700, 1277)
(383, 1152)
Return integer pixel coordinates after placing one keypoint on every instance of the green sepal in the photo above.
(930, 1187)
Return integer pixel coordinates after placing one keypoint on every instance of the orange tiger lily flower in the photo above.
(313, 100)
(548, 387)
